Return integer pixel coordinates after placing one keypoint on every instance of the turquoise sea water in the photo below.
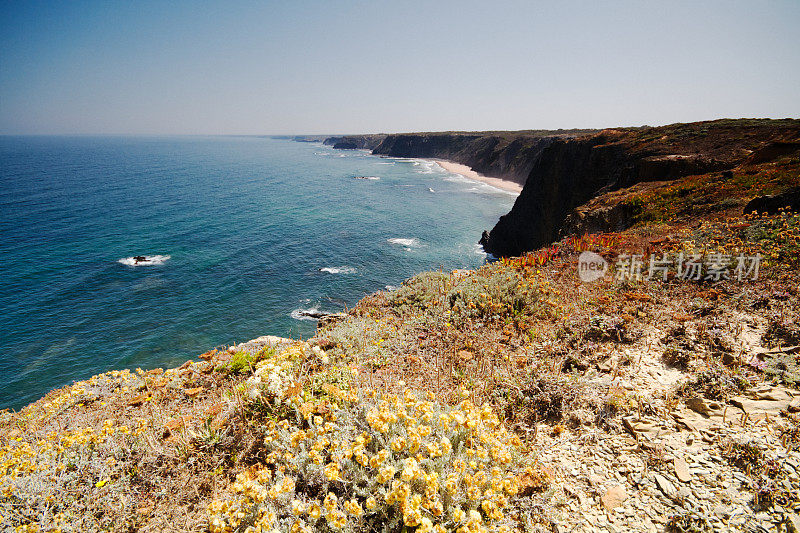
(247, 222)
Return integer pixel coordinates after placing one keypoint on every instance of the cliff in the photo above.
(506, 155)
(562, 170)
(568, 172)
(355, 142)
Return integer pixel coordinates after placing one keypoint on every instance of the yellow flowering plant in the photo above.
(388, 463)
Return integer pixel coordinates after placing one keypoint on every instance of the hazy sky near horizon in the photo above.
(153, 67)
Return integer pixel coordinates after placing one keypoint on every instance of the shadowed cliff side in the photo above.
(505, 155)
(570, 172)
(355, 142)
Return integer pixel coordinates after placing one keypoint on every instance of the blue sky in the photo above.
(325, 67)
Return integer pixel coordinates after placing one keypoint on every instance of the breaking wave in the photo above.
(338, 270)
(408, 243)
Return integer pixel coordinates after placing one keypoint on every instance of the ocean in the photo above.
(244, 233)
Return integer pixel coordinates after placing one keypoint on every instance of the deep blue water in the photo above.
(247, 222)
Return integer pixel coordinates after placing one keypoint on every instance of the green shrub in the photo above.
(366, 339)
(490, 293)
(240, 362)
(423, 291)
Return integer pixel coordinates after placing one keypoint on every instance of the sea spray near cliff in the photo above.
(248, 224)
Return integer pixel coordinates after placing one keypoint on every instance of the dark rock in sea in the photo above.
(313, 314)
(484, 239)
(789, 200)
(322, 317)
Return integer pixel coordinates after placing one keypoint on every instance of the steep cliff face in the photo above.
(566, 174)
(355, 142)
(506, 155)
(569, 172)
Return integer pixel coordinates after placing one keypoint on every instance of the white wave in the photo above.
(458, 178)
(485, 188)
(338, 270)
(373, 178)
(300, 313)
(144, 260)
(385, 163)
(479, 187)
(408, 243)
(391, 287)
(428, 167)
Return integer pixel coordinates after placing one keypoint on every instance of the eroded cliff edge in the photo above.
(568, 172)
(507, 155)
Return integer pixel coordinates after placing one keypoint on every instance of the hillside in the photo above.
(662, 395)
(570, 172)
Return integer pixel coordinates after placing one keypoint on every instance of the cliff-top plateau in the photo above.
(629, 363)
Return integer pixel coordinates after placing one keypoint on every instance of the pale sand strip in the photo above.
(468, 173)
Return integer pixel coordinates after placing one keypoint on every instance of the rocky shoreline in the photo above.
(561, 170)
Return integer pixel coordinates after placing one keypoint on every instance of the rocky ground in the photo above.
(672, 468)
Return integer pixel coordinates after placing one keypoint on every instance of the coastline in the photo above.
(216, 409)
(467, 172)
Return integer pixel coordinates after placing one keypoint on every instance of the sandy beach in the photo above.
(467, 172)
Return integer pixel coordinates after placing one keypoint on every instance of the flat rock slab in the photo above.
(666, 486)
(614, 497)
(767, 400)
(703, 406)
(682, 471)
(638, 427)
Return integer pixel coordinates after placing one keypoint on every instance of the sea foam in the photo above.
(408, 243)
(338, 270)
